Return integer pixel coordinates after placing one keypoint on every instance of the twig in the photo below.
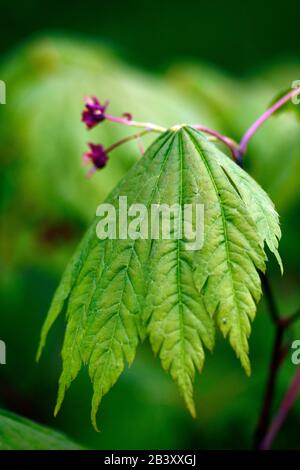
(281, 324)
(230, 143)
(270, 298)
(265, 414)
(136, 136)
(278, 354)
(264, 117)
(293, 318)
(132, 123)
(284, 409)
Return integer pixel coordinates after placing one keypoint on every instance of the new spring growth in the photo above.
(94, 113)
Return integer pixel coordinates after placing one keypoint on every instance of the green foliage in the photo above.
(120, 291)
(17, 433)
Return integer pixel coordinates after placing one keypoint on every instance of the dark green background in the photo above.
(237, 35)
(41, 140)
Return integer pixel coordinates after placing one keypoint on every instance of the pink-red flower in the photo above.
(94, 112)
(97, 156)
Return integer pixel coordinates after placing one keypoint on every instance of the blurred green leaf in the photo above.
(17, 433)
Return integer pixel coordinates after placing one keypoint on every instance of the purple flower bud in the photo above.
(128, 116)
(93, 112)
(97, 156)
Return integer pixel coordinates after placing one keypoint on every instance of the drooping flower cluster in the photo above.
(93, 114)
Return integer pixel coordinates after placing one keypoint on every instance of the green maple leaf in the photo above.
(119, 291)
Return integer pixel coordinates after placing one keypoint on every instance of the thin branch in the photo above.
(263, 118)
(230, 143)
(265, 414)
(293, 318)
(279, 351)
(136, 136)
(283, 411)
(130, 122)
(270, 298)
(278, 354)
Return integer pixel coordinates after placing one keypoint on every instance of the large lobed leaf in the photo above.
(120, 291)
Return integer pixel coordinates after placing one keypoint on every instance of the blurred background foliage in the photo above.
(220, 65)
